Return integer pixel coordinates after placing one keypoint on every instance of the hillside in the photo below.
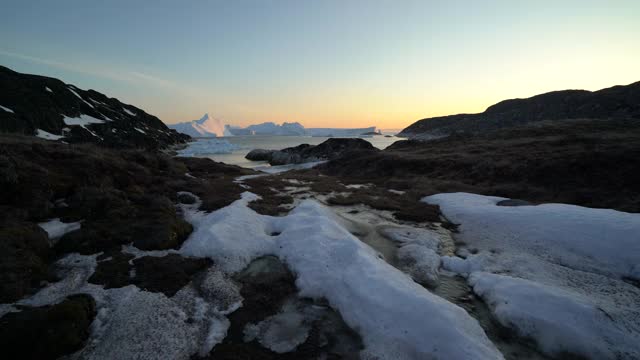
(50, 109)
(614, 102)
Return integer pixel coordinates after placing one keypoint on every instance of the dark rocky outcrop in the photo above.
(166, 274)
(24, 253)
(47, 332)
(611, 103)
(328, 150)
(42, 103)
(120, 197)
(591, 163)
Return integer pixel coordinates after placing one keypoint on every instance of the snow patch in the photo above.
(56, 228)
(83, 120)
(140, 130)
(6, 109)
(47, 89)
(47, 136)
(80, 97)
(129, 112)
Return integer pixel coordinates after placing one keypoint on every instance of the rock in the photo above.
(166, 274)
(47, 332)
(24, 254)
(259, 155)
(188, 199)
(513, 202)
(113, 270)
(328, 150)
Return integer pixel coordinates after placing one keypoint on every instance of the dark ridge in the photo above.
(42, 103)
(610, 103)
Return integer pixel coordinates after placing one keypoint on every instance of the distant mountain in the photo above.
(205, 127)
(614, 102)
(50, 109)
(293, 129)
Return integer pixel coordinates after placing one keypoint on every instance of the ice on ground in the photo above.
(6, 109)
(47, 89)
(47, 136)
(129, 112)
(286, 330)
(208, 146)
(282, 168)
(402, 321)
(560, 321)
(132, 323)
(56, 228)
(568, 260)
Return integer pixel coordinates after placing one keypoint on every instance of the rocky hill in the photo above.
(50, 109)
(614, 102)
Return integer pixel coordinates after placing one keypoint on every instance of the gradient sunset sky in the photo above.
(331, 63)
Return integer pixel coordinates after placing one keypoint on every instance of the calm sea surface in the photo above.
(248, 143)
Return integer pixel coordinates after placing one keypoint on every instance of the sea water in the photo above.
(232, 149)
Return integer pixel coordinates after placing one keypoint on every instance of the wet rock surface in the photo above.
(274, 324)
(47, 332)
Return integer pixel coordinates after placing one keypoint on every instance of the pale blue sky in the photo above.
(323, 63)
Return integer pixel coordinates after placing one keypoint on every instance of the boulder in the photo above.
(47, 332)
(330, 149)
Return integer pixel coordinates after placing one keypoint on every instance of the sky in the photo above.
(324, 63)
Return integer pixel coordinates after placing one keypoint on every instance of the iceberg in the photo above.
(204, 127)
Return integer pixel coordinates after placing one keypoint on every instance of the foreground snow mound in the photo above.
(208, 147)
(397, 318)
(595, 240)
(570, 271)
(561, 321)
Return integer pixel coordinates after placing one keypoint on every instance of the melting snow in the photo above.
(403, 320)
(6, 109)
(47, 136)
(553, 272)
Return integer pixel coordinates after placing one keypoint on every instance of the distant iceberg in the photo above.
(205, 127)
(295, 129)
